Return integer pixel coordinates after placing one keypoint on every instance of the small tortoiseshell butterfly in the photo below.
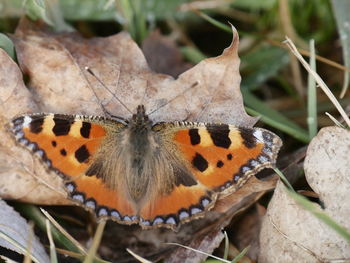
(136, 172)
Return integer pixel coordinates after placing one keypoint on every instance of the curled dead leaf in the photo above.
(292, 234)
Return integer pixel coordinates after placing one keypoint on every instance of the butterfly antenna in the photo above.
(110, 91)
(169, 101)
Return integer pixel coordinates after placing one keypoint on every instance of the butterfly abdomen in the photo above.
(139, 152)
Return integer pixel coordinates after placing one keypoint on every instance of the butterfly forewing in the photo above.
(64, 142)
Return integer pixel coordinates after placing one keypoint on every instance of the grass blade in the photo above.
(7, 45)
(318, 80)
(341, 9)
(240, 255)
(214, 22)
(200, 252)
(53, 255)
(95, 243)
(284, 179)
(312, 95)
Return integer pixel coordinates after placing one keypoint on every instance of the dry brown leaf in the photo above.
(120, 64)
(59, 83)
(18, 178)
(163, 56)
(292, 234)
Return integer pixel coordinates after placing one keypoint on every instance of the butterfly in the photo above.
(138, 172)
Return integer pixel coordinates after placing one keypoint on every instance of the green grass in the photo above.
(7, 45)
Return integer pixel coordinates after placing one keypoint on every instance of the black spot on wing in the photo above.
(85, 129)
(183, 177)
(63, 152)
(200, 162)
(219, 164)
(36, 125)
(249, 139)
(62, 124)
(229, 157)
(54, 143)
(194, 136)
(82, 154)
(220, 135)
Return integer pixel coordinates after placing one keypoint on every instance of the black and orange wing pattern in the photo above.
(207, 160)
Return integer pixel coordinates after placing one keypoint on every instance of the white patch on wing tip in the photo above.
(258, 135)
(26, 121)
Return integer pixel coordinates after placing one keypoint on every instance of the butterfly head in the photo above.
(140, 119)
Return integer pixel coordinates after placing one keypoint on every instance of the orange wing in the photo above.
(220, 158)
(66, 144)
